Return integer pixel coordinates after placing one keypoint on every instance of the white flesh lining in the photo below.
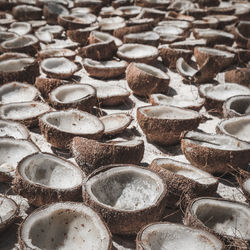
(65, 226)
(174, 236)
(59, 65)
(246, 185)
(152, 70)
(11, 65)
(224, 217)
(13, 130)
(138, 51)
(7, 209)
(114, 122)
(110, 91)
(125, 188)
(50, 171)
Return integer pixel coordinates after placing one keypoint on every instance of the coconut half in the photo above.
(144, 79)
(18, 67)
(60, 127)
(236, 106)
(79, 96)
(13, 129)
(61, 67)
(64, 224)
(6, 36)
(24, 12)
(8, 212)
(48, 53)
(127, 196)
(163, 235)
(18, 92)
(184, 181)
(180, 101)
(245, 186)
(242, 34)
(229, 220)
(237, 127)
(115, 123)
(216, 95)
(12, 151)
(104, 69)
(215, 153)
(55, 30)
(239, 75)
(164, 124)
(25, 112)
(91, 154)
(20, 28)
(43, 178)
(133, 52)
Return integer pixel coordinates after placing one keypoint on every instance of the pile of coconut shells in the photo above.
(125, 124)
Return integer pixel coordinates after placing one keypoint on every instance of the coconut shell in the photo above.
(91, 154)
(26, 12)
(240, 76)
(79, 35)
(143, 83)
(126, 222)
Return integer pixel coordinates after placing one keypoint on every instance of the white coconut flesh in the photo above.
(133, 50)
(115, 122)
(162, 236)
(69, 93)
(238, 127)
(168, 30)
(112, 23)
(216, 141)
(168, 112)
(128, 10)
(221, 92)
(73, 121)
(8, 209)
(125, 188)
(239, 105)
(15, 64)
(145, 36)
(177, 100)
(51, 28)
(20, 28)
(131, 143)
(212, 33)
(65, 226)
(58, 65)
(186, 170)
(215, 52)
(151, 70)
(184, 68)
(224, 217)
(107, 91)
(17, 92)
(19, 42)
(246, 185)
(44, 36)
(104, 37)
(57, 53)
(50, 171)
(5, 36)
(23, 110)
(12, 151)
(105, 64)
(13, 129)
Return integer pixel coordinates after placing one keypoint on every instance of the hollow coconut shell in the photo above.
(240, 76)
(232, 243)
(166, 131)
(145, 80)
(183, 189)
(91, 154)
(122, 221)
(213, 159)
(39, 195)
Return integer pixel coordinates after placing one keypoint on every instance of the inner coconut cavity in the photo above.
(224, 217)
(239, 105)
(13, 129)
(73, 121)
(137, 50)
(125, 188)
(65, 226)
(169, 112)
(16, 64)
(50, 171)
(162, 236)
(151, 70)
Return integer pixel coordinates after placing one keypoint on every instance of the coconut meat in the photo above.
(150, 35)
(105, 64)
(20, 28)
(168, 30)
(137, 50)
(20, 42)
(65, 226)
(104, 37)
(23, 110)
(70, 93)
(12, 65)
(17, 92)
(125, 188)
(222, 92)
(246, 185)
(73, 121)
(168, 112)
(216, 141)
(8, 209)
(163, 236)
(13, 129)
(50, 171)
(224, 217)
(130, 143)
(152, 70)
(106, 91)
(240, 105)
(215, 52)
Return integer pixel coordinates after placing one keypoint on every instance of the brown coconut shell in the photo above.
(52, 10)
(91, 154)
(80, 35)
(25, 12)
(126, 222)
(39, 195)
(239, 75)
(242, 178)
(143, 82)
